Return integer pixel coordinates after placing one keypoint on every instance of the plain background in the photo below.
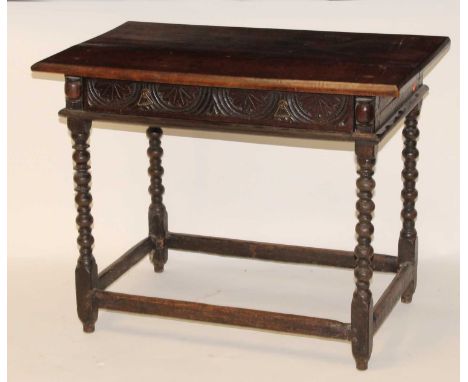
(287, 191)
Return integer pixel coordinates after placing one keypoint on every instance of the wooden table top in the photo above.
(252, 58)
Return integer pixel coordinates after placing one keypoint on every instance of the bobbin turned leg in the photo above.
(408, 242)
(362, 304)
(157, 214)
(86, 268)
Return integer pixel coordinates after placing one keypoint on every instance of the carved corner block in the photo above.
(74, 92)
(364, 114)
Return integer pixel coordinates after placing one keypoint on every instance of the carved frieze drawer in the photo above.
(328, 112)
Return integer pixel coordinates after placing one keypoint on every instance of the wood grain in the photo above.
(408, 241)
(309, 111)
(259, 319)
(86, 276)
(392, 293)
(274, 252)
(130, 258)
(288, 83)
(362, 302)
(157, 214)
(252, 58)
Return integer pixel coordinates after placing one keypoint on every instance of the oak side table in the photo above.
(292, 83)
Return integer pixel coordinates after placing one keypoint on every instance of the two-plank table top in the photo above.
(252, 58)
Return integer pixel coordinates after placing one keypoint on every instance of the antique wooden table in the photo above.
(292, 83)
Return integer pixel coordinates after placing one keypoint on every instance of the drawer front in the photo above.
(310, 111)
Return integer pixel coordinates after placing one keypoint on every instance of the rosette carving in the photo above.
(250, 104)
(317, 108)
(269, 107)
(112, 93)
(178, 98)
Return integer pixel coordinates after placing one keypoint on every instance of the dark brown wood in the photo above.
(252, 58)
(365, 114)
(362, 304)
(289, 83)
(86, 276)
(387, 106)
(392, 294)
(401, 112)
(311, 111)
(192, 124)
(408, 242)
(259, 319)
(74, 92)
(251, 128)
(130, 258)
(157, 214)
(274, 252)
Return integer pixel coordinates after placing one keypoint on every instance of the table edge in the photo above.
(306, 86)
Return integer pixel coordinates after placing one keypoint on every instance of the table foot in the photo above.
(407, 295)
(158, 267)
(88, 327)
(361, 364)
(407, 299)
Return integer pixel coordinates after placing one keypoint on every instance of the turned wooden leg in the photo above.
(157, 213)
(408, 242)
(362, 304)
(86, 268)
